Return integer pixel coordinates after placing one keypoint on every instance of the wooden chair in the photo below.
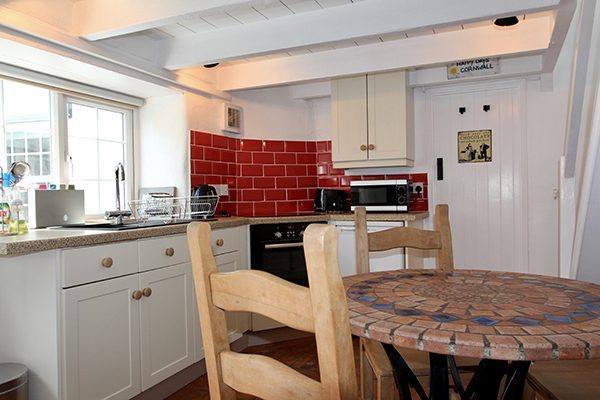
(374, 363)
(321, 309)
(563, 380)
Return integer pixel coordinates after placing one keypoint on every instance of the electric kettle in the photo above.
(196, 205)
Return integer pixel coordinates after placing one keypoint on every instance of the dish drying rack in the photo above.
(167, 207)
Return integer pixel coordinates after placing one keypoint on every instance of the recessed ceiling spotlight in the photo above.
(211, 65)
(508, 21)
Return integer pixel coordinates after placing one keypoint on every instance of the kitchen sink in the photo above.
(129, 224)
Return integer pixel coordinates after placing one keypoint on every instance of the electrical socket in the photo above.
(222, 190)
(417, 188)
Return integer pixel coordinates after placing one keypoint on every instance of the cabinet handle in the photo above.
(147, 292)
(371, 147)
(107, 262)
(363, 147)
(170, 252)
(136, 294)
(220, 242)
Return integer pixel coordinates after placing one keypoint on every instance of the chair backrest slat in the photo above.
(440, 239)
(265, 294)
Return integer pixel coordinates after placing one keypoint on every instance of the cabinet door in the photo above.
(101, 341)
(388, 117)
(166, 322)
(349, 118)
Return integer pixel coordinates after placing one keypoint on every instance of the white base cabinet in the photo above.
(87, 327)
(122, 336)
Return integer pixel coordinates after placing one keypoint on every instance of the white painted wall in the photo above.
(273, 114)
(165, 122)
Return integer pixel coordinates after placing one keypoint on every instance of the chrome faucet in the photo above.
(119, 176)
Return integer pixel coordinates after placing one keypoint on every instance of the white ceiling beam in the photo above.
(528, 37)
(369, 18)
(562, 22)
(19, 28)
(101, 19)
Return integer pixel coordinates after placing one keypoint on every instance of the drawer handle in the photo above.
(220, 242)
(170, 252)
(136, 294)
(371, 147)
(363, 147)
(147, 292)
(107, 262)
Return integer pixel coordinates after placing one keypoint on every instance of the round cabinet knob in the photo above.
(107, 262)
(220, 242)
(147, 292)
(371, 147)
(170, 252)
(136, 294)
(363, 147)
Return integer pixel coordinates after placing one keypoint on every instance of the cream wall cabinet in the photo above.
(372, 121)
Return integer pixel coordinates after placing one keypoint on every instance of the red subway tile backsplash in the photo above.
(273, 177)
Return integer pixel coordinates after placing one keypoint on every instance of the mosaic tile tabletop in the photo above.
(483, 314)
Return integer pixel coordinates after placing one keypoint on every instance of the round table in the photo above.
(481, 314)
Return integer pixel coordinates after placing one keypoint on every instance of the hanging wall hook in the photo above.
(462, 110)
(486, 107)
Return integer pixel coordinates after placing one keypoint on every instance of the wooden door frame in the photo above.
(470, 87)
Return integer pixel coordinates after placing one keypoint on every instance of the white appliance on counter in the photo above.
(379, 261)
(55, 207)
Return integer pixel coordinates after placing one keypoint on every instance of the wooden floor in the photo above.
(300, 354)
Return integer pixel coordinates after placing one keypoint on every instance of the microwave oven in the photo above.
(381, 195)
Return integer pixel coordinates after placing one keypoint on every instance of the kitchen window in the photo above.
(67, 140)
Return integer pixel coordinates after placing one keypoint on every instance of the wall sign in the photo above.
(478, 67)
(475, 146)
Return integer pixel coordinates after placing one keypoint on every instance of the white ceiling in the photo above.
(261, 43)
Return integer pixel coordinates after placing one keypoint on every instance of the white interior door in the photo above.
(488, 205)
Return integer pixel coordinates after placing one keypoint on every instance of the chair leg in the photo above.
(386, 387)
(366, 375)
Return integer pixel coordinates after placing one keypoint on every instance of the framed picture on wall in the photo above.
(475, 146)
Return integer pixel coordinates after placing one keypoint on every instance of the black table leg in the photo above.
(515, 380)
(485, 383)
(439, 386)
(403, 375)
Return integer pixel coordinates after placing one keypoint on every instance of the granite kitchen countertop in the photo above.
(51, 239)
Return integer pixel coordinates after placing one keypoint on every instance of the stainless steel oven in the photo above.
(278, 249)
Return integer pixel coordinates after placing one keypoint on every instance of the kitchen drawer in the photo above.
(97, 263)
(163, 251)
(225, 240)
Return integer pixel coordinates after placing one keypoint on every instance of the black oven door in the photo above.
(282, 259)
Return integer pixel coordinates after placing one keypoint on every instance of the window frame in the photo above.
(64, 165)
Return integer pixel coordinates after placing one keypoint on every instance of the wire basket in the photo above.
(174, 207)
(203, 206)
(159, 208)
